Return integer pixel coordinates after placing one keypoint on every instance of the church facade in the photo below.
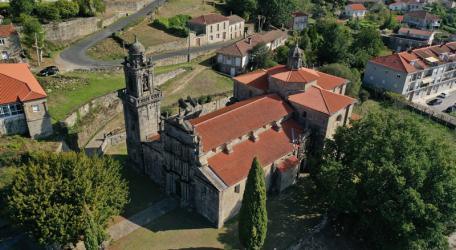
(204, 159)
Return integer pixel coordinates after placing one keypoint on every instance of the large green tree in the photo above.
(60, 197)
(276, 12)
(90, 7)
(390, 183)
(344, 71)
(253, 217)
(335, 43)
(244, 8)
(18, 7)
(261, 57)
(369, 40)
(32, 30)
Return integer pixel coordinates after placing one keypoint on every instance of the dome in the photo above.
(136, 48)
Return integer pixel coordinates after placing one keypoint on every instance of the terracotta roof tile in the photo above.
(422, 14)
(321, 100)
(400, 19)
(406, 31)
(243, 47)
(288, 163)
(356, 6)
(7, 30)
(235, 19)
(257, 79)
(17, 83)
(239, 119)
(270, 147)
(208, 19)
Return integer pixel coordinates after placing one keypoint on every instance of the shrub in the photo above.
(67, 8)
(47, 11)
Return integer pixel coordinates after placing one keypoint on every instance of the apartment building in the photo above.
(415, 74)
(407, 38)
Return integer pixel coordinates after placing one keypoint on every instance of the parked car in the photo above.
(49, 71)
(442, 95)
(450, 109)
(436, 101)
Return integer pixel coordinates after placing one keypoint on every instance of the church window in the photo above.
(145, 83)
(237, 188)
(339, 118)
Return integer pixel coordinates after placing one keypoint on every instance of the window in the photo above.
(304, 114)
(218, 35)
(237, 188)
(211, 28)
(35, 108)
(10, 110)
(2, 41)
(211, 38)
(339, 118)
(398, 76)
(218, 27)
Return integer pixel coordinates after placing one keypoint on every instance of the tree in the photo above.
(244, 8)
(388, 181)
(253, 218)
(277, 12)
(281, 54)
(261, 57)
(67, 8)
(47, 11)
(343, 71)
(60, 197)
(90, 7)
(32, 30)
(368, 40)
(18, 7)
(336, 42)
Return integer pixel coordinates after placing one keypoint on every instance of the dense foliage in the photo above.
(387, 181)
(60, 197)
(32, 30)
(343, 71)
(253, 218)
(176, 25)
(244, 8)
(448, 16)
(261, 57)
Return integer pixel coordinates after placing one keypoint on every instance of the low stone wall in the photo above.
(180, 58)
(111, 19)
(128, 6)
(215, 105)
(162, 78)
(109, 141)
(171, 46)
(71, 30)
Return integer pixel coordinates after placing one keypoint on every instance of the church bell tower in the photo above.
(141, 101)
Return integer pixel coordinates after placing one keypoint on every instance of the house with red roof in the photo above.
(409, 38)
(202, 157)
(213, 28)
(10, 45)
(234, 59)
(422, 19)
(415, 74)
(355, 10)
(23, 108)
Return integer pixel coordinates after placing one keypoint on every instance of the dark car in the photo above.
(450, 109)
(436, 101)
(442, 95)
(49, 71)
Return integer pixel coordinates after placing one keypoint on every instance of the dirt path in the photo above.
(125, 227)
(186, 79)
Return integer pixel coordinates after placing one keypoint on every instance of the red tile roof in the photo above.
(321, 100)
(17, 83)
(257, 79)
(400, 19)
(422, 14)
(288, 163)
(235, 19)
(271, 146)
(414, 60)
(243, 47)
(299, 13)
(356, 6)
(406, 31)
(239, 119)
(209, 19)
(7, 30)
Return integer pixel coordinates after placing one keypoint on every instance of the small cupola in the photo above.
(295, 58)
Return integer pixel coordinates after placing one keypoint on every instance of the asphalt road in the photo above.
(448, 101)
(76, 54)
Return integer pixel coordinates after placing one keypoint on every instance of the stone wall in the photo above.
(171, 46)
(128, 6)
(180, 58)
(71, 30)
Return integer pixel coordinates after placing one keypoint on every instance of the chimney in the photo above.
(277, 126)
(254, 137)
(228, 148)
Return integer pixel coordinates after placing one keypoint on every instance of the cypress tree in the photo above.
(253, 218)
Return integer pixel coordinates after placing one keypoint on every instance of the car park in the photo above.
(49, 71)
(450, 109)
(436, 101)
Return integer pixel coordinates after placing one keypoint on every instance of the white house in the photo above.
(355, 10)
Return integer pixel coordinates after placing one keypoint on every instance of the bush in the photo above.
(176, 25)
(67, 8)
(47, 11)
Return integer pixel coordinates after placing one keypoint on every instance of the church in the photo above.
(203, 159)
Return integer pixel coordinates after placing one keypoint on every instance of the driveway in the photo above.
(450, 100)
(75, 56)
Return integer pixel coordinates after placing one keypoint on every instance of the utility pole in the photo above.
(188, 48)
(38, 50)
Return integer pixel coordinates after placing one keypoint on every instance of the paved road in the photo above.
(75, 56)
(450, 100)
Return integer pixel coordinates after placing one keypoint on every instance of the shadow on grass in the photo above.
(179, 219)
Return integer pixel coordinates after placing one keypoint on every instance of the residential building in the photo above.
(203, 159)
(422, 20)
(213, 28)
(407, 38)
(415, 74)
(235, 58)
(10, 45)
(23, 107)
(355, 10)
(407, 5)
(299, 21)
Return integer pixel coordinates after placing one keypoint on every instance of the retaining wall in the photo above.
(71, 30)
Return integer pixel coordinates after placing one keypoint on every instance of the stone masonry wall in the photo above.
(13, 125)
(71, 30)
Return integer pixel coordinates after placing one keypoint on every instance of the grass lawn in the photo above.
(290, 214)
(69, 91)
(206, 82)
(107, 50)
(433, 128)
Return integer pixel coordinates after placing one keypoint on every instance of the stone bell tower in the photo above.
(294, 61)
(141, 102)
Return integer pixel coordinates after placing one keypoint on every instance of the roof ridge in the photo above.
(324, 99)
(236, 108)
(26, 85)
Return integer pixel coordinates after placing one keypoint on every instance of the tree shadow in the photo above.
(179, 219)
